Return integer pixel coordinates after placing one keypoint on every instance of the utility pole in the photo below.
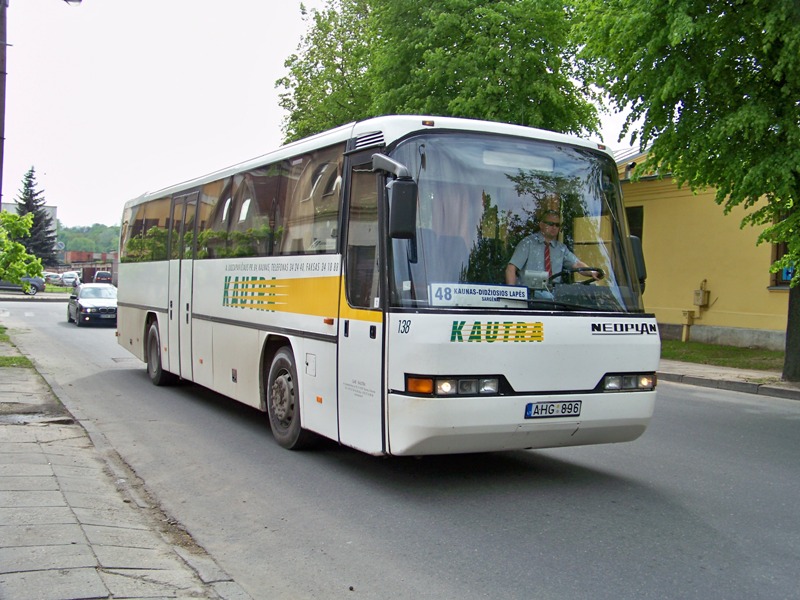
(3, 44)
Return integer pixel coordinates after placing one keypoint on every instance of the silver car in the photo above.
(70, 278)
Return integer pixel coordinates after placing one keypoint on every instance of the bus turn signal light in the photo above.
(419, 385)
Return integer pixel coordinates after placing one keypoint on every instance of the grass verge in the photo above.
(723, 356)
(57, 289)
(15, 361)
(12, 361)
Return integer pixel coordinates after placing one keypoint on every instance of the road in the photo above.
(702, 506)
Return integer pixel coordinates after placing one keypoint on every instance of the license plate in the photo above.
(107, 316)
(550, 410)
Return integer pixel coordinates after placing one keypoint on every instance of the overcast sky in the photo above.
(114, 98)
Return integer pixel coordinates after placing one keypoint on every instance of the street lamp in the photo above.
(3, 45)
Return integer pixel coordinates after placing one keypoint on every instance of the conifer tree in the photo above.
(42, 240)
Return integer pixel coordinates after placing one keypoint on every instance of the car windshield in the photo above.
(107, 293)
(481, 196)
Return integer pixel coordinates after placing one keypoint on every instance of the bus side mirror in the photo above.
(638, 260)
(402, 197)
(402, 208)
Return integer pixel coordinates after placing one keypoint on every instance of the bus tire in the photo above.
(155, 370)
(283, 404)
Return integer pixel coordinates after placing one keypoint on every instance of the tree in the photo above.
(501, 60)
(15, 262)
(327, 83)
(82, 244)
(507, 60)
(95, 238)
(714, 85)
(42, 239)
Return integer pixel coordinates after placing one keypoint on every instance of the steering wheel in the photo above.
(600, 274)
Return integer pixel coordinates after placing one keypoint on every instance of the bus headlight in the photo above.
(453, 386)
(446, 387)
(629, 382)
(467, 387)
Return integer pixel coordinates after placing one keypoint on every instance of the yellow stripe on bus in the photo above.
(358, 314)
(316, 296)
(306, 296)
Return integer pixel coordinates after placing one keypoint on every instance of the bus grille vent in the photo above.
(369, 139)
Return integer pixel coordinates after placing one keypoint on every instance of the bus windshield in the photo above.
(481, 196)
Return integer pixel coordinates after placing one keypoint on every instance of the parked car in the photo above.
(70, 278)
(35, 285)
(52, 278)
(102, 277)
(93, 303)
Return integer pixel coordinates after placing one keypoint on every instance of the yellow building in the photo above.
(707, 280)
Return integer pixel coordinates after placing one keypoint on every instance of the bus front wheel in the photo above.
(154, 368)
(283, 404)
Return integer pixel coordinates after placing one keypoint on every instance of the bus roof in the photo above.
(388, 129)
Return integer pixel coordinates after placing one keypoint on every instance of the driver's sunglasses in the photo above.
(552, 224)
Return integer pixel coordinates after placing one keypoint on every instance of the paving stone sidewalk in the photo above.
(76, 525)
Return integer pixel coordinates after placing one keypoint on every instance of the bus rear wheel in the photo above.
(283, 404)
(154, 368)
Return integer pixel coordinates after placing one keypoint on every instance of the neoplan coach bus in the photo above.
(352, 286)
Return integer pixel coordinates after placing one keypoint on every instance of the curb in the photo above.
(40, 297)
(747, 387)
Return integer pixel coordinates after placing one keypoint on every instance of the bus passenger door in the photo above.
(181, 251)
(360, 359)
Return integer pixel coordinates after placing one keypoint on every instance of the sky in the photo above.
(114, 98)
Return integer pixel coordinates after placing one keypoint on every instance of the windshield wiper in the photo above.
(567, 305)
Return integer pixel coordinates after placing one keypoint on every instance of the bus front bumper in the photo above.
(452, 425)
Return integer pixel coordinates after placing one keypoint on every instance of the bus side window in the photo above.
(147, 232)
(294, 215)
(265, 183)
(277, 213)
(216, 202)
(361, 271)
(314, 201)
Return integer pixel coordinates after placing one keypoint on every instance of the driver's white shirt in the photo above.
(529, 255)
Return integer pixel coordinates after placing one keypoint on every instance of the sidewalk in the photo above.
(74, 522)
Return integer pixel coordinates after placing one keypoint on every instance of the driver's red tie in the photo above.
(547, 266)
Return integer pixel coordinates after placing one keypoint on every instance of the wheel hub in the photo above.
(282, 397)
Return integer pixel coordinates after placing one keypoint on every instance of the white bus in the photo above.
(352, 286)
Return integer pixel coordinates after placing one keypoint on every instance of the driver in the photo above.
(541, 251)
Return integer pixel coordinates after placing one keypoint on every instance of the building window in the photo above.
(784, 276)
(635, 216)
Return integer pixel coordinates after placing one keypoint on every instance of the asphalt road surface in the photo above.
(704, 505)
